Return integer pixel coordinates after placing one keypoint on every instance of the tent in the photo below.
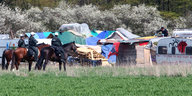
(67, 37)
(106, 49)
(92, 41)
(117, 36)
(79, 28)
(4, 36)
(39, 35)
(94, 33)
(127, 34)
(104, 34)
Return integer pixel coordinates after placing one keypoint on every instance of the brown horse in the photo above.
(22, 53)
(7, 55)
(48, 53)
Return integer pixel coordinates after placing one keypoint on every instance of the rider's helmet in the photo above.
(56, 34)
(21, 35)
(32, 33)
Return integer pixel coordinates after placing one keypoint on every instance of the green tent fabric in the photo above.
(67, 37)
(46, 34)
(94, 33)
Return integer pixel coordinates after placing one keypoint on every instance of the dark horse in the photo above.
(22, 53)
(7, 55)
(48, 53)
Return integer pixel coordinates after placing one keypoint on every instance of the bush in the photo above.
(142, 20)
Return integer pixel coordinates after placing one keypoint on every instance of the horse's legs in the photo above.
(60, 63)
(12, 66)
(64, 65)
(17, 64)
(30, 64)
(39, 63)
(45, 63)
(7, 65)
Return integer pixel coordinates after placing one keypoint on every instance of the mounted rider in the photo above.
(21, 42)
(33, 45)
(57, 45)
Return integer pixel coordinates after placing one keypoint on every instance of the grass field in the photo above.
(99, 81)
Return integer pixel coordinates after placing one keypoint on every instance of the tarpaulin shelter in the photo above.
(117, 36)
(79, 28)
(104, 34)
(67, 37)
(4, 36)
(126, 33)
(40, 35)
(130, 52)
(94, 33)
(106, 49)
(92, 41)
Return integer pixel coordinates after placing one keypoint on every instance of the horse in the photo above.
(48, 53)
(7, 55)
(23, 53)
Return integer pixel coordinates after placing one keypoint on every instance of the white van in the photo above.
(174, 50)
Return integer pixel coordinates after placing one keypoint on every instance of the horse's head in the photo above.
(73, 47)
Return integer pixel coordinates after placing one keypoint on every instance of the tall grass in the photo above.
(116, 71)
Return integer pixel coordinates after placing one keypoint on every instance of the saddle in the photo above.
(56, 50)
(30, 52)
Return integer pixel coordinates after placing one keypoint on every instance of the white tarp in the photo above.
(4, 36)
(128, 34)
(182, 33)
(80, 28)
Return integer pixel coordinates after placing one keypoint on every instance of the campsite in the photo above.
(95, 48)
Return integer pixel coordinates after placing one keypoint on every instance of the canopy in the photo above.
(4, 36)
(92, 41)
(39, 35)
(67, 37)
(104, 34)
(80, 28)
(126, 33)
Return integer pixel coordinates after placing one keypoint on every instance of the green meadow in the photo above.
(98, 81)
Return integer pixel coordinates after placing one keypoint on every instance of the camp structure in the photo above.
(102, 35)
(40, 35)
(119, 35)
(4, 36)
(79, 28)
(132, 52)
(174, 51)
(182, 33)
(71, 36)
(89, 55)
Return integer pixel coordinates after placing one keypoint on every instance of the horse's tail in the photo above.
(13, 61)
(40, 61)
(3, 60)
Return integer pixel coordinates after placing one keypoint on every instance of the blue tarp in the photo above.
(92, 40)
(36, 35)
(112, 59)
(106, 49)
(105, 52)
(104, 34)
(41, 35)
